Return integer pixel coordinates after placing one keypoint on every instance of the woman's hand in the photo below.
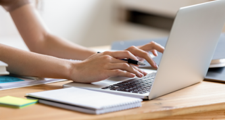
(142, 52)
(108, 64)
(104, 65)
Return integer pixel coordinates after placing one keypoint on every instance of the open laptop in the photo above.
(185, 61)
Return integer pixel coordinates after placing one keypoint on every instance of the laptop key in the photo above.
(136, 85)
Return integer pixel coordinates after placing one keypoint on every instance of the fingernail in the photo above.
(140, 75)
(156, 65)
(145, 73)
(156, 53)
(132, 75)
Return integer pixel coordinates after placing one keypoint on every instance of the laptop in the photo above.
(185, 61)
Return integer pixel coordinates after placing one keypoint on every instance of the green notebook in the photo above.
(16, 102)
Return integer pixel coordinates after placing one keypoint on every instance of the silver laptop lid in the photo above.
(190, 47)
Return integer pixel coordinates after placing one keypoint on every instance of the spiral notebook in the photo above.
(83, 100)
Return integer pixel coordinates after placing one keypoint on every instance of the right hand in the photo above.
(104, 65)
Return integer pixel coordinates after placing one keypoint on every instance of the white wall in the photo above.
(8, 32)
(86, 22)
(7, 27)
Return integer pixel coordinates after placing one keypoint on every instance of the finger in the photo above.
(140, 59)
(114, 60)
(151, 46)
(143, 72)
(126, 67)
(154, 52)
(109, 58)
(117, 72)
(141, 53)
(121, 54)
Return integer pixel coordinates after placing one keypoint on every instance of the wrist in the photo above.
(90, 53)
(73, 70)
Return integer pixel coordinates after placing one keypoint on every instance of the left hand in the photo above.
(142, 52)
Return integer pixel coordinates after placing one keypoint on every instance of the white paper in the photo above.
(28, 82)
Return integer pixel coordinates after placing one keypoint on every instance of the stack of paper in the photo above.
(3, 70)
(10, 82)
(15, 102)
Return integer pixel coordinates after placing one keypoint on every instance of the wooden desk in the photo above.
(202, 97)
(205, 100)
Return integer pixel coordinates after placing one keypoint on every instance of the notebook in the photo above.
(10, 82)
(86, 101)
(9, 79)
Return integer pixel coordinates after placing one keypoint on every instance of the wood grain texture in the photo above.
(214, 115)
(199, 98)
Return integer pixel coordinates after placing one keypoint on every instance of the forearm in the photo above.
(58, 47)
(32, 64)
(38, 38)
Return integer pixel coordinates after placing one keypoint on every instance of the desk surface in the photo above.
(199, 101)
(202, 97)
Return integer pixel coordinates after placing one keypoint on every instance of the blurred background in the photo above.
(100, 22)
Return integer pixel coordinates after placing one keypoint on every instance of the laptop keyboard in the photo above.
(136, 85)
